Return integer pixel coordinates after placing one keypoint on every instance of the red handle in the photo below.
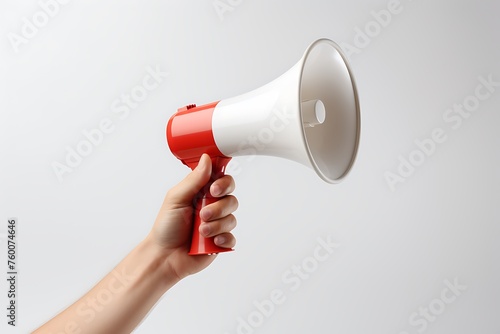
(199, 244)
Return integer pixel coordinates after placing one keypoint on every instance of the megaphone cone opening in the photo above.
(332, 145)
(310, 115)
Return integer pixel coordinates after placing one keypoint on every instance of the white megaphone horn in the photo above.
(310, 115)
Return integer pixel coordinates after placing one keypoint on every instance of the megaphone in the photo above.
(310, 115)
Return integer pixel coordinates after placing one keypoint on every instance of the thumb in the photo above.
(184, 192)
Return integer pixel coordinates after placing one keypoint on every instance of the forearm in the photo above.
(120, 300)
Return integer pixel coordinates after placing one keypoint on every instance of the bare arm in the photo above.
(119, 302)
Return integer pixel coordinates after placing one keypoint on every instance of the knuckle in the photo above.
(229, 222)
(235, 202)
(232, 241)
(233, 221)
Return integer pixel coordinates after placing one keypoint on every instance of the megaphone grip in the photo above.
(199, 244)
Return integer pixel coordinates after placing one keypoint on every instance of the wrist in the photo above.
(157, 265)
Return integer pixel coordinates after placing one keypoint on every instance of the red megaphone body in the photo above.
(309, 115)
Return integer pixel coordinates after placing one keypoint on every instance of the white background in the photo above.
(396, 247)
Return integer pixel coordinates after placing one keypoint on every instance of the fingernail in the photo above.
(216, 190)
(219, 240)
(205, 230)
(206, 214)
(200, 165)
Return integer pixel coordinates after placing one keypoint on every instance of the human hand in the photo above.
(173, 226)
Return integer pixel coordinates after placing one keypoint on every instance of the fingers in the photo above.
(226, 240)
(223, 186)
(218, 221)
(217, 227)
(219, 209)
(183, 192)
(217, 217)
